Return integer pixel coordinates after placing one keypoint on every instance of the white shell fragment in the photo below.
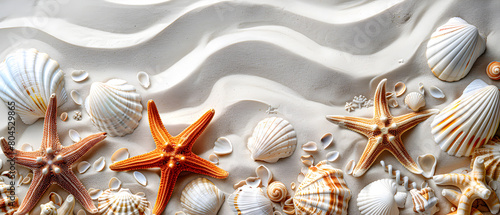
(77, 98)
(421, 89)
(140, 178)
(332, 156)
(427, 163)
(114, 184)
(264, 174)
(223, 146)
(310, 146)
(83, 166)
(214, 159)
(95, 193)
(307, 160)
(119, 155)
(349, 167)
(380, 198)
(453, 49)
(436, 92)
(29, 78)
(399, 89)
(26, 147)
(250, 201)
(273, 138)
(114, 107)
(79, 75)
(415, 101)
(201, 197)
(143, 79)
(74, 136)
(122, 202)
(326, 140)
(468, 122)
(253, 181)
(99, 164)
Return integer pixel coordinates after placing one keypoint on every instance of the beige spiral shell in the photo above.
(277, 191)
(493, 70)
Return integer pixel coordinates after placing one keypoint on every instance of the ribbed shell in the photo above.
(277, 191)
(415, 101)
(322, 192)
(378, 198)
(490, 153)
(248, 200)
(273, 138)
(28, 78)
(7, 206)
(122, 202)
(453, 49)
(468, 122)
(114, 107)
(424, 201)
(201, 197)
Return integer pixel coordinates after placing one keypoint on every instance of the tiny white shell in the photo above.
(253, 181)
(75, 95)
(83, 167)
(119, 155)
(399, 89)
(273, 138)
(140, 178)
(223, 146)
(115, 184)
(307, 160)
(94, 193)
(393, 103)
(292, 185)
(421, 88)
(264, 174)
(436, 92)
(310, 146)
(74, 136)
(250, 201)
(332, 156)
(27, 147)
(99, 164)
(143, 78)
(349, 167)
(415, 101)
(28, 178)
(427, 163)
(79, 75)
(64, 116)
(326, 140)
(201, 197)
(214, 159)
(300, 177)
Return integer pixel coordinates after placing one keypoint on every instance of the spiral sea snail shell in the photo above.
(493, 70)
(276, 191)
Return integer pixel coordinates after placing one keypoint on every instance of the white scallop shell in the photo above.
(415, 101)
(273, 138)
(114, 107)
(121, 202)
(250, 201)
(29, 78)
(453, 49)
(468, 122)
(201, 197)
(277, 191)
(321, 184)
(379, 198)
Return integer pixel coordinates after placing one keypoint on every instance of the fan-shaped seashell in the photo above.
(67, 207)
(326, 140)
(264, 174)
(490, 153)
(436, 92)
(273, 138)
(29, 78)
(468, 122)
(114, 107)
(332, 156)
(95, 193)
(83, 166)
(114, 184)
(79, 75)
(74, 135)
(10, 202)
(493, 70)
(349, 167)
(307, 160)
(77, 98)
(399, 89)
(48, 208)
(119, 155)
(64, 116)
(310, 146)
(223, 146)
(415, 101)
(424, 201)
(99, 164)
(201, 197)
(379, 198)
(427, 163)
(277, 191)
(27, 147)
(453, 49)
(143, 79)
(214, 159)
(121, 202)
(323, 191)
(140, 178)
(253, 181)
(250, 201)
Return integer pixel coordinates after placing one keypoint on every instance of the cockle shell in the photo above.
(201, 197)
(121, 202)
(114, 107)
(28, 78)
(277, 191)
(424, 201)
(380, 198)
(8, 205)
(453, 49)
(415, 101)
(323, 191)
(468, 122)
(490, 153)
(493, 70)
(250, 201)
(273, 138)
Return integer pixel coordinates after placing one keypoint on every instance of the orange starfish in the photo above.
(384, 132)
(51, 164)
(172, 154)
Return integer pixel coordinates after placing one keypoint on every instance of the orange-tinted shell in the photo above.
(493, 70)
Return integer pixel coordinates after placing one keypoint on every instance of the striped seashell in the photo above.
(7, 205)
(277, 191)
(493, 70)
(424, 201)
(322, 192)
(273, 138)
(468, 122)
(453, 49)
(380, 198)
(29, 78)
(490, 153)
(201, 197)
(248, 200)
(121, 202)
(114, 107)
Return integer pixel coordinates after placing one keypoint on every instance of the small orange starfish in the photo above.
(51, 164)
(172, 154)
(384, 132)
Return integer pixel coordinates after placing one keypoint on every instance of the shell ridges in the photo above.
(201, 197)
(273, 138)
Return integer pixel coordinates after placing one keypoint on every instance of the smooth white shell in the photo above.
(143, 79)
(25, 147)
(399, 89)
(332, 156)
(310, 146)
(264, 174)
(114, 107)
(74, 136)
(379, 198)
(119, 155)
(122, 202)
(427, 163)
(79, 75)
(201, 197)
(349, 167)
(77, 98)
(468, 122)
(273, 138)
(114, 184)
(223, 146)
(415, 101)
(214, 159)
(140, 178)
(326, 140)
(95, 193)
(99, 164)
(29, 78)
(453, 49)
(250, 201)
(307, 160)
(83, 166)
(436, 92)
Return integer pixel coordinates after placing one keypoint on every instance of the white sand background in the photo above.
(307, 58)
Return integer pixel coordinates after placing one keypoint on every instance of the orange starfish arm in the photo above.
(199, 165)
(68, 181)
(398, 150)
(381, 108)
(410, 120)
(191, 133)
(21, 157)
(357, 124)
(77, 150)
(160, 134)
(167, 184)
(50, 137)
(370, 154)
(145, 161)
(38, 186)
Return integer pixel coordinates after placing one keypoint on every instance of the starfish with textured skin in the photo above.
(383, 131)
(51, 164)
(172, 155)
(454, 198)
(472, 186)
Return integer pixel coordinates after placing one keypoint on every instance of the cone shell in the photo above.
(114, 107)
(379, 198)
(273, 138)
(249, 200)
(490, 153)
(122, 202)
(322, 192)
(453, 49)
(415, 101)
(8, 205)
(201, 197)
(493, 70)
(29, 78)
(468, 122)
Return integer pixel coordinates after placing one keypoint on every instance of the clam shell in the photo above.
(140, 178)
(77, 98)
(277, 191)
(9, 205)
(332, 156)
(114, 107)
(493, 70)
(326, 140)
(223, 146)
(379, 198)
(201, 197)
(415, 101)
(119, 155)
(79, 75)
(273, 138)
(74, 135)
(114, 184)
(250, 201)
(468, 122)
(99, 164)
(214, 159)
(323, 191)
(29, 78)
(121, 202)
(310, 146)
(143, 79)
(64, 116)
(490, 153)
(453, 49)
(83, 166)
(436, 92)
